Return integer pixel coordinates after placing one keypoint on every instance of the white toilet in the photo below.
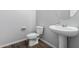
(34, 37)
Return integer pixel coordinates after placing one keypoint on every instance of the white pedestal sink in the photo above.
(64, 32)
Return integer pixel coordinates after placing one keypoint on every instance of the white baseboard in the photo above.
(13, 43)
(48, 43)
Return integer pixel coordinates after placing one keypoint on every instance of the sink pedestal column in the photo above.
(62, 41)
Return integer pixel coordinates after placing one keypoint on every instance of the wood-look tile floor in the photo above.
(24, 44)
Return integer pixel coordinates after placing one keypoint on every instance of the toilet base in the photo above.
(33, 42)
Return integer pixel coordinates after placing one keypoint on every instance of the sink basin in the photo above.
(64, 30)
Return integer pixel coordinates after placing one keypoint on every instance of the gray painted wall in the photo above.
(50, 17)
(11, 23)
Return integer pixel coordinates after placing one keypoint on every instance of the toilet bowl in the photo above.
(34, 37)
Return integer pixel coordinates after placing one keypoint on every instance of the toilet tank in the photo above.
(39, 29)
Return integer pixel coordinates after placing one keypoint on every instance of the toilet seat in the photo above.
(32, 36)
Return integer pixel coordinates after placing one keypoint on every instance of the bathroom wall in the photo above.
(50, 17)
(11, 22)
